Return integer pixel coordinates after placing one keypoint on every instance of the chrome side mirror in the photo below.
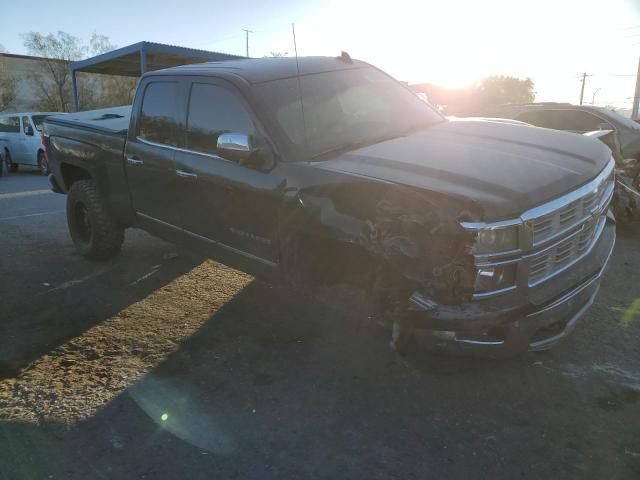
(245, 150)
(234, 146)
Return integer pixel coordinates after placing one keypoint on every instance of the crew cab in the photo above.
(486, 238)
(21, 140)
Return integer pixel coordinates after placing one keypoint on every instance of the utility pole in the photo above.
(584, 79)
(247, 32)
(636, 97)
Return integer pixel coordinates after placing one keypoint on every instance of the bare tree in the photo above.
(53, 81)
(109, 90)
(8, 87)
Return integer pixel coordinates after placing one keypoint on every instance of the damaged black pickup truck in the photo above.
(487, 238)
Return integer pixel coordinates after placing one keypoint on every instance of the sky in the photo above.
(448, 42)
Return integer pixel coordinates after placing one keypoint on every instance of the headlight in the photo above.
(496, 277)
(496, 239)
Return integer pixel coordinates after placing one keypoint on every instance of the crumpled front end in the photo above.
(529, 293)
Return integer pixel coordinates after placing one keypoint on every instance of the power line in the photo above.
(584, 80)
(247, 32)
(636, 96)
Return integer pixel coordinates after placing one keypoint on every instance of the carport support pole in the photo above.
(143, 61)
(636, 97)
(74, 86)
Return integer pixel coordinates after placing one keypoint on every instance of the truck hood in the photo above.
(505, 169)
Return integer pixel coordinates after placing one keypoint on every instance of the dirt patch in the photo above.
(71, 382)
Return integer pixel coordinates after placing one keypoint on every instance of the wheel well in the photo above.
(309, 255)
(71, 174)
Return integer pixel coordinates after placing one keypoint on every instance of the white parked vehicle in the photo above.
(21, 140)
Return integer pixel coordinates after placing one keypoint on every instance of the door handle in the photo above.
(134, 161)
(186, 175)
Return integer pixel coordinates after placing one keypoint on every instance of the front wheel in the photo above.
(96, 234)
(11, 167)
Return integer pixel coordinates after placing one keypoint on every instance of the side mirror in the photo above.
(239, 148)
(28, 130)
(234, 146)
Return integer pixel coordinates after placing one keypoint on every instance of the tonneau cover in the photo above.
(113, 120)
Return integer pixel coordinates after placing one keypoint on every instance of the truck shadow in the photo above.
(272, 384)
(37, 319)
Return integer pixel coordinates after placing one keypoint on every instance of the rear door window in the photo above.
(10, 124)
(159, 122)
(214, 110)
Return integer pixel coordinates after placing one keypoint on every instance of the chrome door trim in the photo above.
(183, 150)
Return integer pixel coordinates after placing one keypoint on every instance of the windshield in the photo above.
(620, 119)
(38, 121)
(343, 109)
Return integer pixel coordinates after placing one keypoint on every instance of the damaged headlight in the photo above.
(495, 246)
(495, 277)
(496, 239)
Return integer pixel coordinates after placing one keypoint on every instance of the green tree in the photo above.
(501, 89)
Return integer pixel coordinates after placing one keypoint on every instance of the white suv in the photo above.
(21, 140)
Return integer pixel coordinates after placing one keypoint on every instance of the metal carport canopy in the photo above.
(136, 59)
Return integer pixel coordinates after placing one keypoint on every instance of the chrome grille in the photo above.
(554, 236)
(554, 224)
(554, 259)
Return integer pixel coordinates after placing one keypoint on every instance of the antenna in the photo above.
(304, 123)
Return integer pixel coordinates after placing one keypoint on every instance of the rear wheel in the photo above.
(11, 167)
(43, 165)
(96, 234)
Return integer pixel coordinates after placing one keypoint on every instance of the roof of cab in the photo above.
(258, 70)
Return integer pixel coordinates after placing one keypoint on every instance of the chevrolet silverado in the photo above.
(487, 238)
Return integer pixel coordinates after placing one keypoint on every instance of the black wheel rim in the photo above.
(82, 221)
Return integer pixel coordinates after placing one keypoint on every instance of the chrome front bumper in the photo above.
(515, 324)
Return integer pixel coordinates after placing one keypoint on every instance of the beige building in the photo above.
(21, 67)
(24, 69)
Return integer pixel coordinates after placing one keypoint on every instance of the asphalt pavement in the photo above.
(160, 364)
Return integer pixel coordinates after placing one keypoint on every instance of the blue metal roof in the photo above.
(136, 59)
(127, 60)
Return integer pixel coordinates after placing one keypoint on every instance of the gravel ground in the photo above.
(160, 364)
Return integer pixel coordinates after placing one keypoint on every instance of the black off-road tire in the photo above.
(96, 234)
(11, 167)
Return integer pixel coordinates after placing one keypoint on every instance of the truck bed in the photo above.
(112, 121)
(93, 142)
